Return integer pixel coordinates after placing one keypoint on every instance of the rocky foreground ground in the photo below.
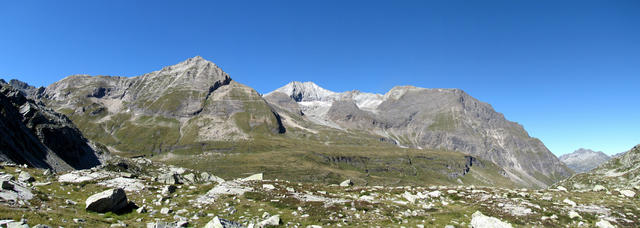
(141, 193)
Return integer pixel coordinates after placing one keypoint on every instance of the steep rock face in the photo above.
(179, 107)
(583, 160)
(619, 172)
(35, 135)
(446, 119)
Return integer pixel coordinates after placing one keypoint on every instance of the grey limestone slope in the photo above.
(446, 119)
(583, 160)
(32, 134)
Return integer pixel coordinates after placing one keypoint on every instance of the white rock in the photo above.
(604, 224)
(346, 183)
(568, 201)
(82, 176)
(628, 193)
(178, 170)
(268, 186)
(478, 220)
(142, 209)
(409, 197)
(598, 188)
(25, 177)
(165, 211)
(560, 188)
(434, 194)
(214, 223)
(271, 221)
(169, 178)
(128, 184)
(573, 214)
(254, 177)
(190, 178)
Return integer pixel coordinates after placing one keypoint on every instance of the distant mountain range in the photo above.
(583, 160)
(415, 117)
(620, 172)
(193, 114)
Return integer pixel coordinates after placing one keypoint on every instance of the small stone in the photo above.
(70, 202)
(182, 211)
(25, 177)
(268, 186)
(169, 178)
(182, 224)
(568, 201)
(165, 211)
(563, 189)
(271, 221)
(191, 178)
(168, 189)
(19, 224)
(142, 209)
(628, 193)
(346, 183)
(79, 220)
(598, 188)
(604, 224)
(41, 226)
(434, 194)
(573, 214)
(254, 177)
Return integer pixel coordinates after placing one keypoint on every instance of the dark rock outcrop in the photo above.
(32, 134)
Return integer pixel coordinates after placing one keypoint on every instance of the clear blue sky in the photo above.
(569, 71)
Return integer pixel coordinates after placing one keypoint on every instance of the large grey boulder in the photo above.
(12, 191)
(169, 178)
(271, 221)
(206, 177)
(190, 178)
(111, 200)
(222, 223)
(479, 220)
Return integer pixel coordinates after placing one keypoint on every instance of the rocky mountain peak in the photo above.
(305, 91)
(192, 70)
(583, 160)
(197, 62)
